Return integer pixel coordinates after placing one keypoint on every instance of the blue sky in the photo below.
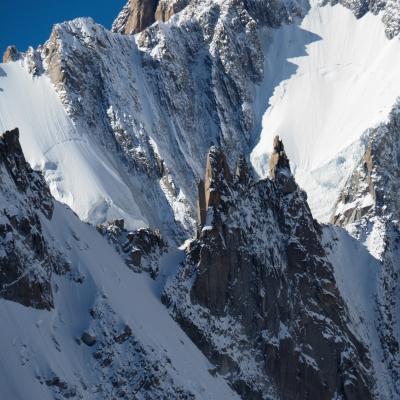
(29, 22)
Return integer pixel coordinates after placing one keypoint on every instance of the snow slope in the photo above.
(37, 346)
(77, 170)
(328, 78)
(357, 274)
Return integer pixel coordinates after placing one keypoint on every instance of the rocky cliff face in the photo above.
(141, 249)
(187, 84)
(26, 261)
(89, 331)
(257, 292)
(11, 54)
(185, 88)
(136, 16)
(390, 10)
(139, 14)
(374, 186)
(369, 209)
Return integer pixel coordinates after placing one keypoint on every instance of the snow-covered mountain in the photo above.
(111, 215)
(92, 328)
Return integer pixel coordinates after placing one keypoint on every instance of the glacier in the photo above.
(328, 79)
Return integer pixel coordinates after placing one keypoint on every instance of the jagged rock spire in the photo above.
(201, 203)
(26, 180)
(11, 54)
(137, 15)
(259, 262)
(242, 170)
(279, 160)
(216, 177)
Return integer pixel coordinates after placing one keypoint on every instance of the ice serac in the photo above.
(257, 293)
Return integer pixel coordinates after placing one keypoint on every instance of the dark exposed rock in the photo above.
(348, 208)
(127, 333)
(167, 8)
(26, 263)
(242, 170)
(11, 54)
(141, 249)
(137, 15)
(257, 289)
(88, 339)
(201, 203)
(374, 186)
(369, 207)
(23, 176)
(279, 163)
(279, 166)
(136, 257)
(210, 190)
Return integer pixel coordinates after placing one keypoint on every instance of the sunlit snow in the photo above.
(330, 78)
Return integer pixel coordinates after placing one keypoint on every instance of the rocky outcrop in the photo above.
(141, 249)
(26, 263)
(137, 15)
(258, 296)
(374, 186)
(11, 54)
(279, 162)
(195, 77)
(167, 8)
(369, 208)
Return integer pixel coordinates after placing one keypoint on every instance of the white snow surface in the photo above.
(39, 343)
(328, 78)
(77, 170)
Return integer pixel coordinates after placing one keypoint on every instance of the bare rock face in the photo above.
(358, 196)
(373, 189)
(167, 8)
(11, 54)
(137, 15)
(141, 249)
(26, 264)
(242, 170)
(279, 167)
(369, 208)
(258, 296)
(279, 160)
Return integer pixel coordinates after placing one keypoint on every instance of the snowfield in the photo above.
(328, 78)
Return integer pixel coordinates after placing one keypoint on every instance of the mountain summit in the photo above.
(203, 203)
